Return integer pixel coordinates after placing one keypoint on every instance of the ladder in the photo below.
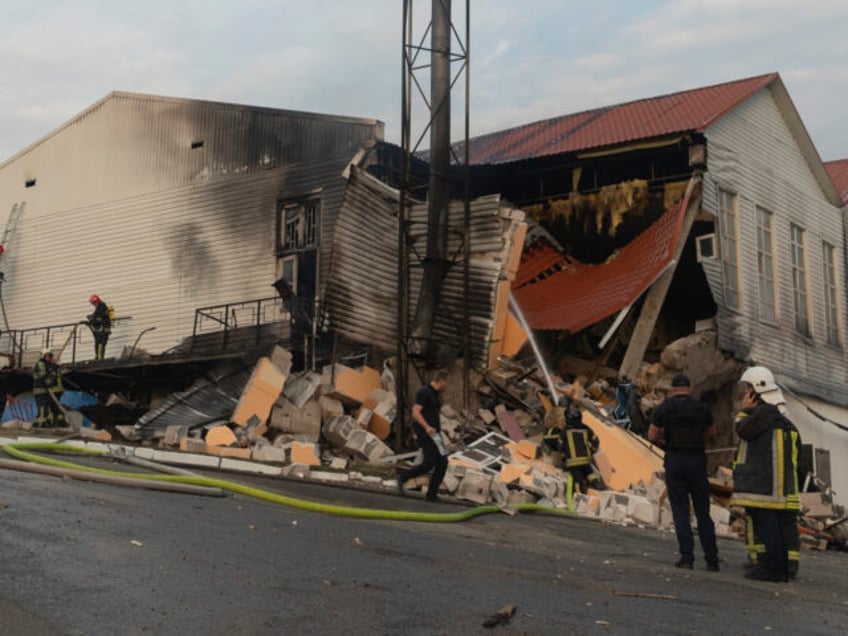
(12, 222)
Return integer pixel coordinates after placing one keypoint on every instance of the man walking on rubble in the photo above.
(683, 424)
(426, 423)
(765, 475)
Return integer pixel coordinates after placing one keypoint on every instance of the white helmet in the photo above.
(762, 380)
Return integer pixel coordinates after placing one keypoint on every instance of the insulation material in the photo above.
(351, 386)
(262, 390)
(623, 459)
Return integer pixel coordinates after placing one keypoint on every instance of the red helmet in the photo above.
(94, 299)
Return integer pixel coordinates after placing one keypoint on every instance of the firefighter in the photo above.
(100, 323)
(47, 389)
(576, 441)
(765, 473)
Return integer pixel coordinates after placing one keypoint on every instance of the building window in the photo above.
(729, 248)
(298, 225)
(765, 264)
(831, 317)
(799, 280)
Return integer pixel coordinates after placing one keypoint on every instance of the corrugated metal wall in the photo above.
(362, 290)
(124, 208)
(753, 153)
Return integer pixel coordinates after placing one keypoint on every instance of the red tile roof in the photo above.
(838, 171)
(686, 111)
(579, 295)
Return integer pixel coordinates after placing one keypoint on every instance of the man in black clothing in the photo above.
(426, 424)
(684, 424)
(100, 324)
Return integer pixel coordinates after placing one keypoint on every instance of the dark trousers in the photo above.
(432, 460)
(584, 477)
(49, 413)
(685, 477)
(789, 526)
(772, 529)
(100, 339)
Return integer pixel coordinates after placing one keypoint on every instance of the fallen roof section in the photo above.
(555, 292)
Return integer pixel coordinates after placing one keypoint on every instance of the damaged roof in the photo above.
(685, 111)
(838, 171)
(556, 292)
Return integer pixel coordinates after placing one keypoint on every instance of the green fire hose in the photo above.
(20, 451)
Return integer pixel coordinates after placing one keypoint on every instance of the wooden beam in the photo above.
(656, 294)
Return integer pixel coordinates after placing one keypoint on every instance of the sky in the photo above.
(529, 59)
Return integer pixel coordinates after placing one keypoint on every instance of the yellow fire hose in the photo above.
(19, 451)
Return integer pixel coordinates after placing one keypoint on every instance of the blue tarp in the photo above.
(24, 409)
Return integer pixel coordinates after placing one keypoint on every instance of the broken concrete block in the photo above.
(99, 434)
(226, 451)
(303, 453)
(338, 428)
(487, 416)
(338, 463)
(498, 492)
(281, 359)
(221, 436)
(351, 386)
(511, 473)
(269, 453)
(538, 484)
(382, 405)
(475, 486)
(366, 445)
(192, 445)
(174, 433)
(813, 505)
(448, 412)
(288, 418)
(719, 515)
(262, 390)
(643, 511)
(330, 407)
(296, 470)
(453, 476)
(363, 416)
(300, 388)
(528, 449)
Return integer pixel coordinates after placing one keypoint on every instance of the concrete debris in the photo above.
(339, 426)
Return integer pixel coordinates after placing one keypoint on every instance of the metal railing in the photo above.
(228, 318)
(21, 348)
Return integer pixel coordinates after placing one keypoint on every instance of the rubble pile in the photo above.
(337, 425)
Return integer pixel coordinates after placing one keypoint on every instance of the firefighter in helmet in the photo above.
(567, 434)
(100, 323)
(47, 389)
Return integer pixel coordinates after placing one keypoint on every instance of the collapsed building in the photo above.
(694, 232)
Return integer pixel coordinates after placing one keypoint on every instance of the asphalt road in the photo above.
(84, 558)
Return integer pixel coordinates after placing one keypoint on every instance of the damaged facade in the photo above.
(703, 218)
(163, 207)
(622, 275)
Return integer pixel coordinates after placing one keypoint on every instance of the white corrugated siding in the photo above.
(151, 229)
(753, 153)
(362, 289)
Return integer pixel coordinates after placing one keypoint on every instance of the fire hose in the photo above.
(208, 486)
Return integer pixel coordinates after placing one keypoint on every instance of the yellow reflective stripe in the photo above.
(777, 463)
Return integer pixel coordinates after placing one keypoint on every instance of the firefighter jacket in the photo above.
(578, 446)
(765, 471)
(99, 320)
(46, 376)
